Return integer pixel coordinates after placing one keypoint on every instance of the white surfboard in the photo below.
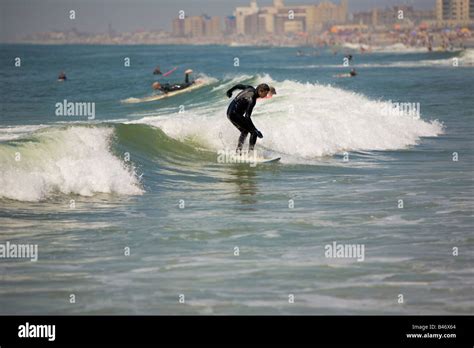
(271, 160)
(197, 84)
(252, 159)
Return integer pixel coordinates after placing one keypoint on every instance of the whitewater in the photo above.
(302, 122)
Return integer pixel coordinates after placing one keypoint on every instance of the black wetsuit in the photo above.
(239, 112)
(177, 86)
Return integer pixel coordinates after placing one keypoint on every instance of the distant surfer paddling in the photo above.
(62, 76)
(352, 73)
(240, 111)
(167, 87)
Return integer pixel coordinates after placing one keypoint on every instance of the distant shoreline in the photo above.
(469, 45)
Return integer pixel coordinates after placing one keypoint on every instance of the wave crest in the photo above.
(73, 160)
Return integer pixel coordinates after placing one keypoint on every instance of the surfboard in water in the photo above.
(252, 159)
(169, 72)
(271, 160)
(197, 84)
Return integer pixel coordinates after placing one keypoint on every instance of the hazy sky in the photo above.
(20, 17)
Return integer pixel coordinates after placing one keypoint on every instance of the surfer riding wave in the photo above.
(240, 110)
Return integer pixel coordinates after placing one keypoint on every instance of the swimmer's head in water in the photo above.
(156, 85)
(262, 90)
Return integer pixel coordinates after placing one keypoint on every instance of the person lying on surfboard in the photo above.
(62, 76)
(240, 110)
(352, 73)
(166, 88)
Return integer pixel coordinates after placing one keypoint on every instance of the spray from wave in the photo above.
(464, 59)
(73, 160)
(398, 48)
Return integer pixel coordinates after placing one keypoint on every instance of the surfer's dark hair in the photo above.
(263, 87)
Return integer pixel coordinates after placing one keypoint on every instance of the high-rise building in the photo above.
(251, 24)
(327, 12)
(285, 24)
(194, 26)
(212, 26)
(198, 26)
(278, 3)
(178, 27)
(241, 13)
(368, 18)
(452, 12)
(111, 31)
(230, 25)
(375, 17)
(281, 18)
(390, 16)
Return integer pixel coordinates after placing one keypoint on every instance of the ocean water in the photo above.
(145, 178)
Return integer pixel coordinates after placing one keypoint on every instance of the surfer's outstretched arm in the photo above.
(239, 86)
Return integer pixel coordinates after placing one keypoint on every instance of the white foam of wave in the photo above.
(231, 80)
(73, 160)
(17, 132)
(304, 121)
(399, 48)
(465, 59)
(355, 46)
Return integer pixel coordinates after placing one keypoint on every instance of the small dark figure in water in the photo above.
(166, 88)
(62, 76)
(157, 71)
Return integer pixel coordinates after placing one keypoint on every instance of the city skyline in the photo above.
(22, 17)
